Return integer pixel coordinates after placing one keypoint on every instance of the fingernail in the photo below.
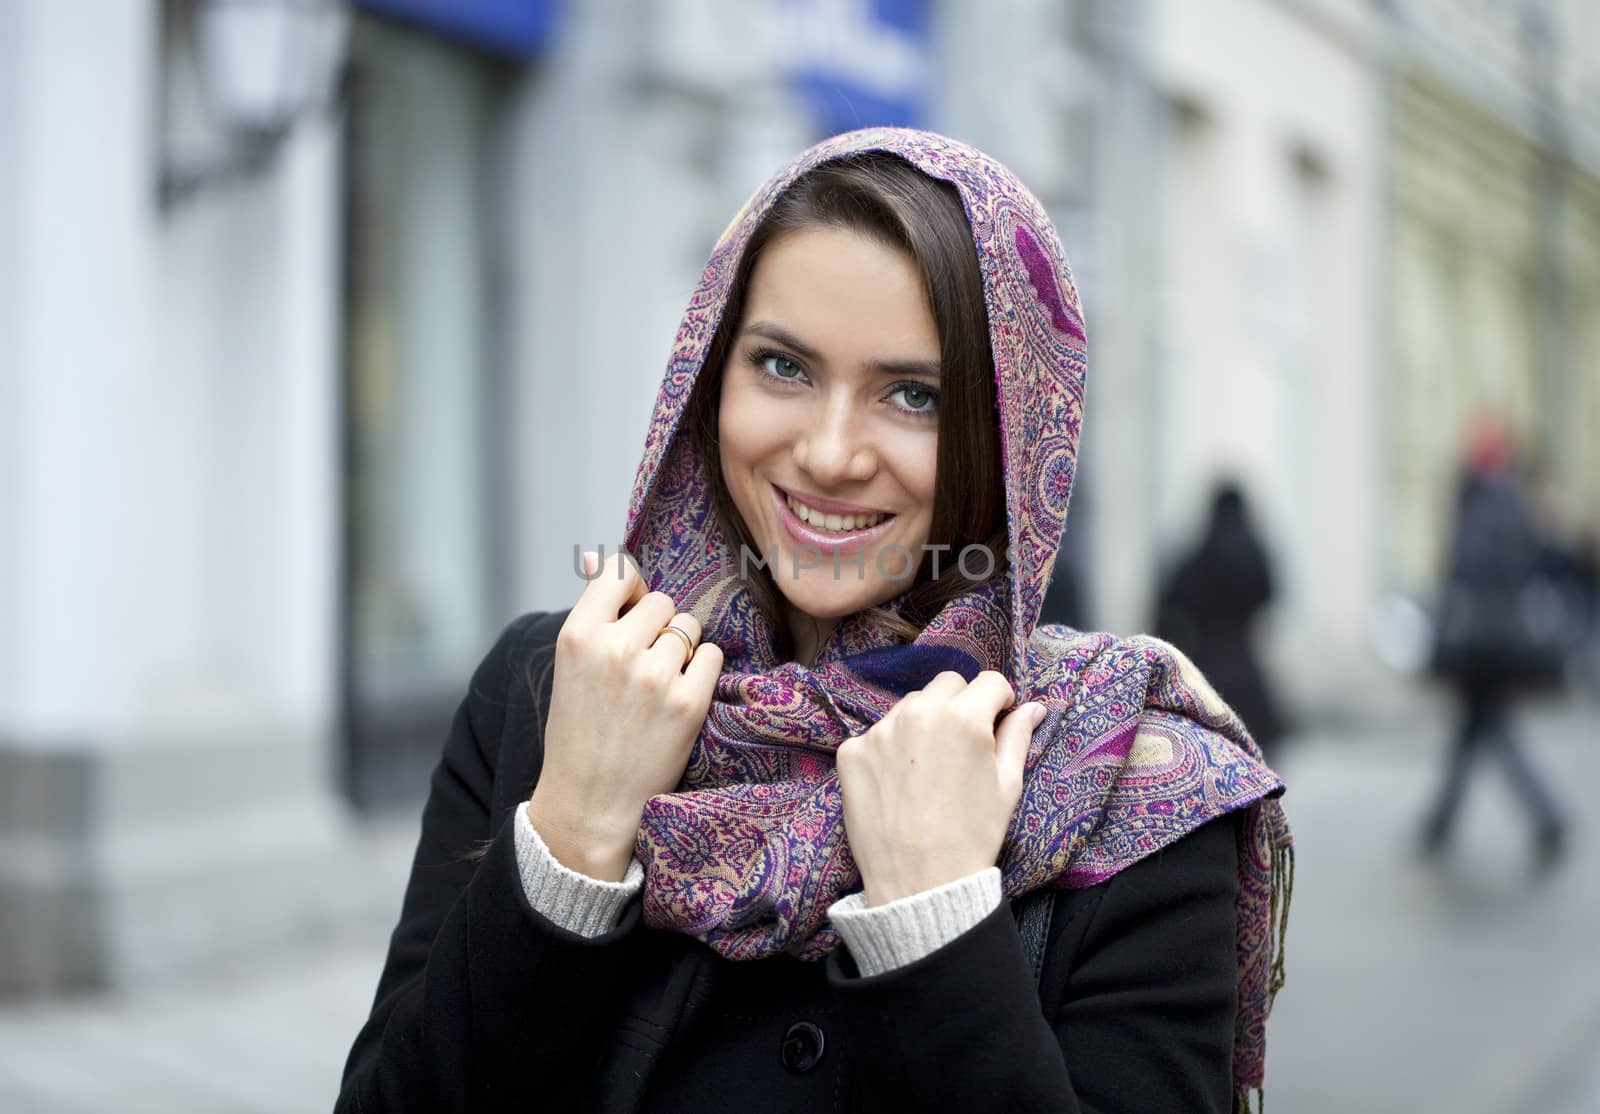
(589, 565)
(1037, 712)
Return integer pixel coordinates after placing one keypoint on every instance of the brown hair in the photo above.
(883, 196)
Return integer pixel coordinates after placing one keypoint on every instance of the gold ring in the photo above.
(688, 643)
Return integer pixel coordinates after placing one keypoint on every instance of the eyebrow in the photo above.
(780, 335)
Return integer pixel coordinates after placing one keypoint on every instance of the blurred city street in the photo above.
(1469, 989)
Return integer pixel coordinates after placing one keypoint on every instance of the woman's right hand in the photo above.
(624, 714)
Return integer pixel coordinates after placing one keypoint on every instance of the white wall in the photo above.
(10, 382)
(1270, 304)
(79, 422)
(240, 512)
(172, 470)
(167, 588)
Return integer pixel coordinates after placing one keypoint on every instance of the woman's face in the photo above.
(828, 419)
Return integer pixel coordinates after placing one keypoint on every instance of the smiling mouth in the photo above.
(829, 523)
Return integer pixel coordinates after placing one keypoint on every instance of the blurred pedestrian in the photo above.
(1502, 627)
(748, 831)
(1208, 607)
(1586, 563)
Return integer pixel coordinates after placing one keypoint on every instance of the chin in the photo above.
(817, 594)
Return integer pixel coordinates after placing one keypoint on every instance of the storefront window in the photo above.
(422, 599)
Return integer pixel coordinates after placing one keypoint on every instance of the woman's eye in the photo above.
(918, 400)
(781, 367)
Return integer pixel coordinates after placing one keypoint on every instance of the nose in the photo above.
(835, 450)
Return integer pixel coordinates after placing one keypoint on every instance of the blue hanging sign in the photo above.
(861, 63)
(514, 27)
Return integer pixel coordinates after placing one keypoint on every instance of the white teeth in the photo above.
(835, 522)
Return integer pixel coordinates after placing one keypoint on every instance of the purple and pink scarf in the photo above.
(1135, 751)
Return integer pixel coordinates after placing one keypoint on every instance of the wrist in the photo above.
(599, 850)
(915, 879)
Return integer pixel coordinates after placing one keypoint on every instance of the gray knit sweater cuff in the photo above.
(576, 902)
(883, 937)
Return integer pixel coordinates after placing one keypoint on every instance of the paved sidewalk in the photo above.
(1462, 990)
(1465, 987)
(265, 1041)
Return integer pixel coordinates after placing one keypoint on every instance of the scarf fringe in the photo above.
(1282, 892)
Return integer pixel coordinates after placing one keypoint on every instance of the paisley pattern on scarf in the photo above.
(1135, 751)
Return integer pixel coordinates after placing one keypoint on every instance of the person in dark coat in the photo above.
(849, 831)
(1208, 606)
(1586, 567)
(1500, 629)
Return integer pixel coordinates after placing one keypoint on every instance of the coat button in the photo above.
(802, 1047)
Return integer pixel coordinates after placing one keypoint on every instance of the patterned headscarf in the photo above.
(1135, 750)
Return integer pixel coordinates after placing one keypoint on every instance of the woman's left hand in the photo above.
(929, 789)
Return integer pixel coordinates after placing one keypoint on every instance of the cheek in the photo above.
(915, 462)
(749, 430)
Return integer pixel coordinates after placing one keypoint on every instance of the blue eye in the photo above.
(778, 366)
(918, 399)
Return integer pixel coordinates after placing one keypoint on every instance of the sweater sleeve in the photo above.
(484, 1002)
(1144, 995)
(895, 933)
(575, 901)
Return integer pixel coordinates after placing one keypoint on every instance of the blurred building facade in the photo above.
(169, 469)
(281, 452)
(1262, 363)
(1493, 257)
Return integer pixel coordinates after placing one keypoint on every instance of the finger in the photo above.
(670, 647)
(618, 586)
(946, 684)
(703, 669)
(686, 622)
(645, 619)
(1013, 739)
(988, 695)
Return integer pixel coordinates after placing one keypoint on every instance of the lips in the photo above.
(825, 541)
(830, 506)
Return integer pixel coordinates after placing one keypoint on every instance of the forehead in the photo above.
(842, 289)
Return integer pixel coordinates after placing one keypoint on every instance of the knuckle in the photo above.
(615, 654)
(681, 702)
(650, 673)
(573, 643)
(995, 677)
(847, 755)
(978, 723)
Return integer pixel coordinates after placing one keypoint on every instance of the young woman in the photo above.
(742, 829)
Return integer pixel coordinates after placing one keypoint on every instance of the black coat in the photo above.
(1508, 612)
(486, 1005)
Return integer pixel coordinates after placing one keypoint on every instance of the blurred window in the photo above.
(424, 453)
